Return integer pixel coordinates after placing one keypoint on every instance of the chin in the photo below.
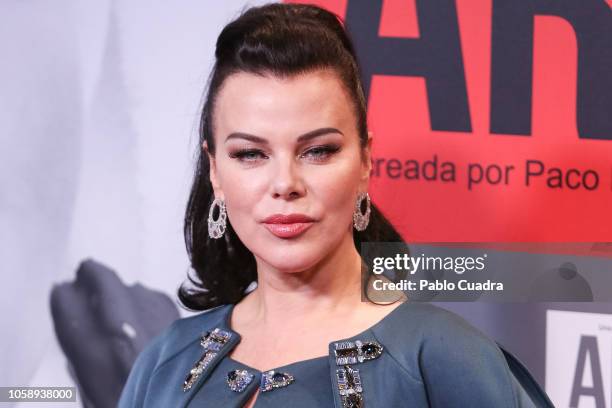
(292, 259)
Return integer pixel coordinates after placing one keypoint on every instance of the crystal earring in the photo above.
(216, 228)
(361, 220)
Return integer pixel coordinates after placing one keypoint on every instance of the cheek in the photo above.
(335, 191)
(243, 195)
(335, 197)
(240, 185)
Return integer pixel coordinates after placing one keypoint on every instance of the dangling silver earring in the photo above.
(216, 228)
(360, 221)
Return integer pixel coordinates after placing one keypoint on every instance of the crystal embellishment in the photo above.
(238, 380)
(211, 342)
(349, 386)
(198, 369)
(215, 339)
(272, 379)
(353, 352)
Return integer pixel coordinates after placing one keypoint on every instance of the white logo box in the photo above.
(579, 359)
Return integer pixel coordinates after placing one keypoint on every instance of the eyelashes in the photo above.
(317, 153)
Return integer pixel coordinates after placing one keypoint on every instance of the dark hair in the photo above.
(282, 40)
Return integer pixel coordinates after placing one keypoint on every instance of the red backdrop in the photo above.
(548, 209)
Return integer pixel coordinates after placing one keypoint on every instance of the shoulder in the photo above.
(182, 332)
(416, 323)
(165, 346)
(454, 360)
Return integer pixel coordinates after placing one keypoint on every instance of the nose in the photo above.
(287, 182)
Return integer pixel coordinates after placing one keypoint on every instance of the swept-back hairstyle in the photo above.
(281, 40)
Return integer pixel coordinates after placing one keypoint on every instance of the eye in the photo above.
(323, 152)
(248, 155)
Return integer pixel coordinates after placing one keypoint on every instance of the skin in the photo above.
(308, 291)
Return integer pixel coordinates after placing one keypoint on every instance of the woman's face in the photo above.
(288, 146)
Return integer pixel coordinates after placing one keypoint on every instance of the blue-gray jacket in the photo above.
(419, 355)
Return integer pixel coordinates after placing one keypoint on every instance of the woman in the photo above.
(280, 198)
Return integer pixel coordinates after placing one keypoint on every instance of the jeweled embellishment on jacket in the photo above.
(272, 379)
(212, 342)
(349, 386)
(349, 352)
(198, 369)
(215, 339)
(238, 380)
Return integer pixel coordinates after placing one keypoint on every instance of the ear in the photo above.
(367, 159)
(213, 171)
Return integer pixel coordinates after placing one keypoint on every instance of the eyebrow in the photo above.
(302, 138)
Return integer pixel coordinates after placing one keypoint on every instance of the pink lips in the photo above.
(287, 226)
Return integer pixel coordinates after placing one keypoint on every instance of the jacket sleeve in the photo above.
(461, 367)
(135, 389)
(530, 393)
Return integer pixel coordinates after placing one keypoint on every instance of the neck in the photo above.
(333, 285)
